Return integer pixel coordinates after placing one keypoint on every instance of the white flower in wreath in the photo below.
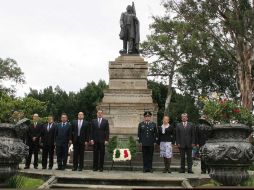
(121, 154)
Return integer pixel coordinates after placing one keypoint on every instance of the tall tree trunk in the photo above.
(245, 78)
(169, 94)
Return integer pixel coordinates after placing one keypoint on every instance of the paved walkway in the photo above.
(117, 174)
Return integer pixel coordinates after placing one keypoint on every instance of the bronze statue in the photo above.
(129, 31)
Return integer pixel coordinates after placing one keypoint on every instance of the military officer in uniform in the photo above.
(147, 136)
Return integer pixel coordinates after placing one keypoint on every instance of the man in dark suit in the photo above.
(62, 141)
(203, 132)
(147, 137)
(48, 142)
(33, 137)
(185, 140)
(99, 138)
(79, 139)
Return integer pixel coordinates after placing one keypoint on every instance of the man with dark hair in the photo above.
(80, 139)
(99, 138)
(147, 137)
(48, 142)
(185, 140)
(33, 138)
(62, 139)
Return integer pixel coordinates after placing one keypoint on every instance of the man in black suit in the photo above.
(79, 140)
(62, 141)
(147, 137)
(48, 142)
(99, 138)
(185, 140)
(33, 137)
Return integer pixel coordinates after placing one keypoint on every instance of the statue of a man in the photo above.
(129, 31)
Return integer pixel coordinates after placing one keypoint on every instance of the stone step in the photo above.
(114, 182)
(86, 186)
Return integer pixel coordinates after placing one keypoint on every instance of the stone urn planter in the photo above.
(12, 148)
(228, 153)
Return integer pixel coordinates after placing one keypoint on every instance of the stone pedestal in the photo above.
(127, 97)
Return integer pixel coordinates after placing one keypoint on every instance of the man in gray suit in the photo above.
(185, 140)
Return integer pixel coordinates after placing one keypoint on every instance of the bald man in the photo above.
(79, 140)
(33, 137)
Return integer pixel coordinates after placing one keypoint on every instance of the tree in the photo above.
(59, 101)
(162, 46)
(89, 97)
(179, 103)
(9, 71)
(27, 105)
(229, 24)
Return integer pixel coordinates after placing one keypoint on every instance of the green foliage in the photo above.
(27, 105)
(23, 182)
(249, 182)
(178, 105)
(132, 146)
(114, 143)
(16, 181)
(216, 40)
(183, 104)
(9, 71)
(202, 45)
(223, 110)
(59, 101)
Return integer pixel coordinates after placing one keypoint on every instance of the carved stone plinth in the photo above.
(12, 149)
(229, 154)
(127, 97)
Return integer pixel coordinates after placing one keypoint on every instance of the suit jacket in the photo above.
(185, 136)
(83, 131)
(99, 133)
(147, 133)
(33, 131)
(48, 137)
(62, 134)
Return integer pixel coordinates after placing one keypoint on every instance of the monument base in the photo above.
(128, 97)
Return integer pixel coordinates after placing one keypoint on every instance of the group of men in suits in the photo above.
(59, 136)
(80, 133)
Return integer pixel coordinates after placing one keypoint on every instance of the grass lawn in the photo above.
(23, 182)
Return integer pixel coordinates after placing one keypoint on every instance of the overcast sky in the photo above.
(66, 42)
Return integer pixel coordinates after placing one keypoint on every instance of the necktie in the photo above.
(99, 122)
(63, 124)
(185, 124)
(79, 127)
(48, 126)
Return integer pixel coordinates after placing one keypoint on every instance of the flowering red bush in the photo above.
(223, 110)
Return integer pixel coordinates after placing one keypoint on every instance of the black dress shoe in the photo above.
(43, 168)
(95, 169)
(203, 172)
(50, 168)
(181, 171)
(190, 172)
(59, 168)
(74, 169)
(26, 167)
(101, 170)
(80, 169)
